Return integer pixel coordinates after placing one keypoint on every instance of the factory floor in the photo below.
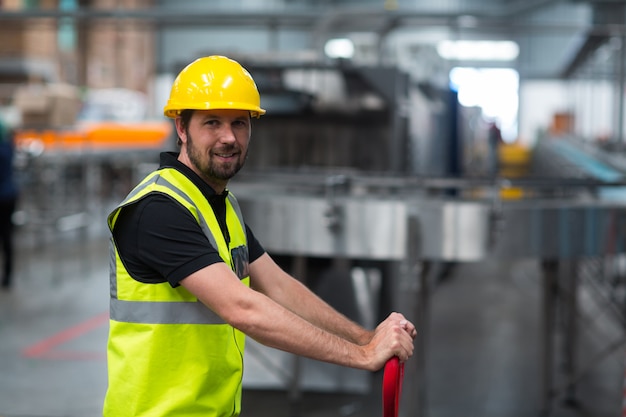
(483, 347)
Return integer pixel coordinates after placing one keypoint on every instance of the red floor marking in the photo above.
(44, 348)
(73, 355)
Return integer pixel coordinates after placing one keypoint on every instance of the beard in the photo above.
(210, 169)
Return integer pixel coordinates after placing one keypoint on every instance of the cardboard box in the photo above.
(48, 105)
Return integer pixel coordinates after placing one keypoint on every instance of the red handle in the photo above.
(392, 386)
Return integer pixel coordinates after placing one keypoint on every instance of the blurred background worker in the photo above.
(8, 202)
(190, 278)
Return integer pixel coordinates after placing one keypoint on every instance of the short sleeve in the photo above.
(159, 240)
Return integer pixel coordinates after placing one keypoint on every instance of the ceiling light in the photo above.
(478, 50)
(339, 48)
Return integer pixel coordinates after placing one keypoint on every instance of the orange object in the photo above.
(99, 136)
(562, 124)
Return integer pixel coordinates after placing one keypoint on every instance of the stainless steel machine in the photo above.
(334, 182)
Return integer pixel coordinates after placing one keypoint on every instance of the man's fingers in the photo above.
(405, 347)
(409, 327)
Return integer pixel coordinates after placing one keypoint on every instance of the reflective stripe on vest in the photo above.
(166, 312)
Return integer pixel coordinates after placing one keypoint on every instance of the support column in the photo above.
(550, 269)
(294, 393)
(569, 277)
(412, 297)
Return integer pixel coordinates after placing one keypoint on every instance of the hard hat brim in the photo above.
(172, 110)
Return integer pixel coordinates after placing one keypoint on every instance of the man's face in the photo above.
(215, 144)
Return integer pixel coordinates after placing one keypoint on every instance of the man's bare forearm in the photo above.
(271, 280)
(303, 302)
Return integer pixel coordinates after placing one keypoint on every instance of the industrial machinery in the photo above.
(337, 187)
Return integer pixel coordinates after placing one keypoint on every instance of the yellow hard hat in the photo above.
(213, 82)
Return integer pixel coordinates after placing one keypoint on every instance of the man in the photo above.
(189, 279)
(8, 203)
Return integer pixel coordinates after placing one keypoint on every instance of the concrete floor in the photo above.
(483, 351)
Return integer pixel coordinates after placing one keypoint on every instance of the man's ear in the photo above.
(180, 129)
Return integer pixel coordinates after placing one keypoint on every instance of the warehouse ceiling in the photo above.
(556, 38)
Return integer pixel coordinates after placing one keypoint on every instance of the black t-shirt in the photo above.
(158, 239)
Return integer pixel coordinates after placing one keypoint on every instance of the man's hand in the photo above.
(393, 337)
(398, 318)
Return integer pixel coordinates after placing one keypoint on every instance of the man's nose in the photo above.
(228, 135)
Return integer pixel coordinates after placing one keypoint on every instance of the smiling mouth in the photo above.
(226, 155)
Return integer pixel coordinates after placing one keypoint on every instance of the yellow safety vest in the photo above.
(168, 354)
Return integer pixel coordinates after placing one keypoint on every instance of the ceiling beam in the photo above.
(610, 17)
(312, 17)
(587, 47)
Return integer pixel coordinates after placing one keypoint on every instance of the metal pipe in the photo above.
(621, 83)
(318, 179)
